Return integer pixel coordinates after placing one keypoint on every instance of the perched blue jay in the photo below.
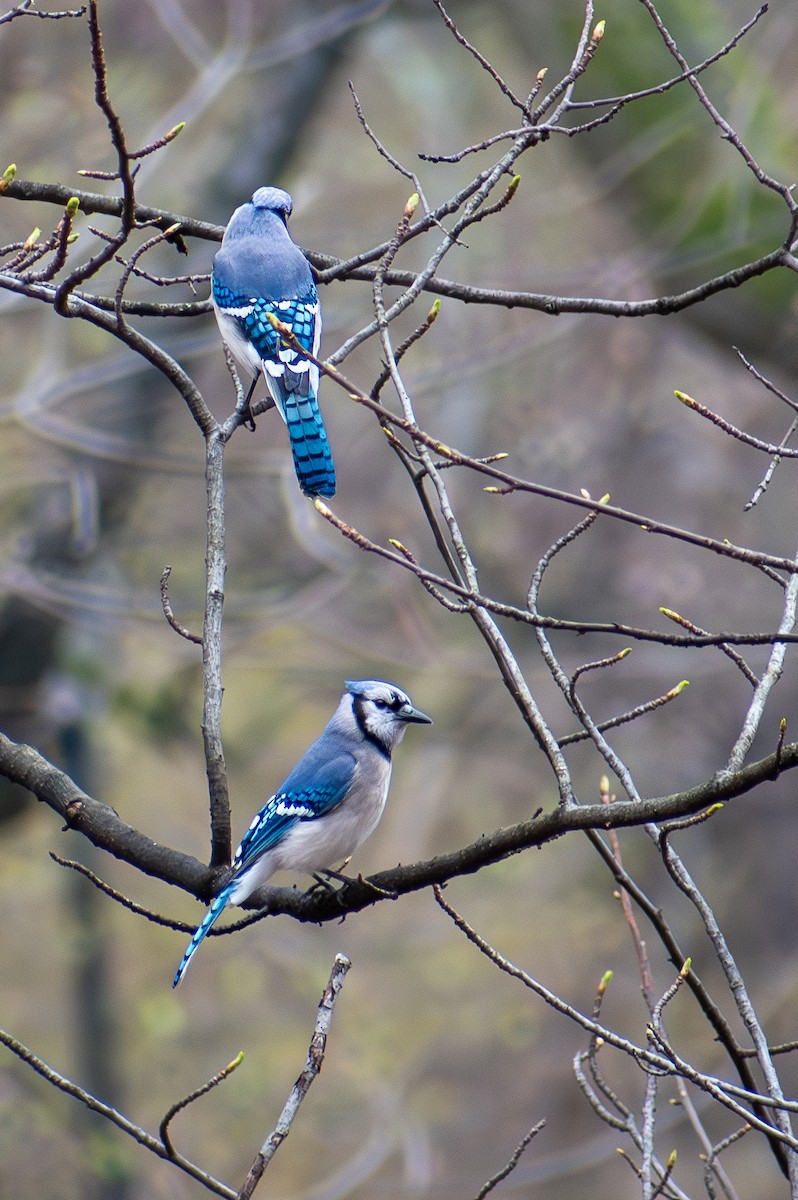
(329, 804)
(259, 270)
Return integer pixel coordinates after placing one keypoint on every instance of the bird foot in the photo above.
(323, 883)
(324, 876)
(244, 409)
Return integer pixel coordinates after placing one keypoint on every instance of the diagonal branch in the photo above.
(313, 1063)
(330, 268)
(153, 1144)
(105, 829)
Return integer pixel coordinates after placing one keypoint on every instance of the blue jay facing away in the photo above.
(329, 804)
(259, 271)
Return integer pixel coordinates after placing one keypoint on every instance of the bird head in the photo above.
(382, 711)
(275, 200)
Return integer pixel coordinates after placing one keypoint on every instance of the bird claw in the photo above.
(244, 409)
(321, 885)
(329, 873)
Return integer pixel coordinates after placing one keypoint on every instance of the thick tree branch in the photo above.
(105, 829)
(332, 269)
(215, 568)
(110, 206)
(98, 822)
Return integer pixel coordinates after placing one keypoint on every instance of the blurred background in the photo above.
(437, 1065)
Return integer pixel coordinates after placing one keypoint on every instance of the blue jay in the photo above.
(259, 270)
(329, 804)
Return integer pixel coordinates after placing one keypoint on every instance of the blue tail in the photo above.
(215, 910)
(313, 461)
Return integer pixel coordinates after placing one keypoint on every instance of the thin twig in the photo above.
(767, 682)
(118, 141)
(512, 483)
(119, 897)
(401, 350)
(57, 245)
(729, 651)
(383, 151)
(153, 1144)
(512, 1162)
(764, 483)
(741, 436)
(155, 918)
(25, 9)
(662, 1060)
(129, 265)
(172, 1112)
(713, 1169)
(300, 1089)
(766, 383)
(681, 877)
(169, 614)
(483, 62)
(599, 665)
(688, 73)
(464, 570)
(723, 125)
(631, 714)
(641, 951)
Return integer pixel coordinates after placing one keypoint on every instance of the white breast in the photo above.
(327, 841)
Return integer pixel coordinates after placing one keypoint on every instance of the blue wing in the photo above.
(293, 380)
(308, 792)
(318, 783)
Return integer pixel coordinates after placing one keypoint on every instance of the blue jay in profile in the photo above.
(329, 804)
(259, 270)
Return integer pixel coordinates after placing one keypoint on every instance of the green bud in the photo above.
(411, 206)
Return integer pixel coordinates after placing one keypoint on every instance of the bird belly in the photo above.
(326, 841)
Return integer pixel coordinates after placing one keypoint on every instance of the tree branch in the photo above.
(153, 1144)
(105, 829)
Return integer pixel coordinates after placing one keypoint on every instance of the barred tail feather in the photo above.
(294, 392)
(313, 461)
(211, 916)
